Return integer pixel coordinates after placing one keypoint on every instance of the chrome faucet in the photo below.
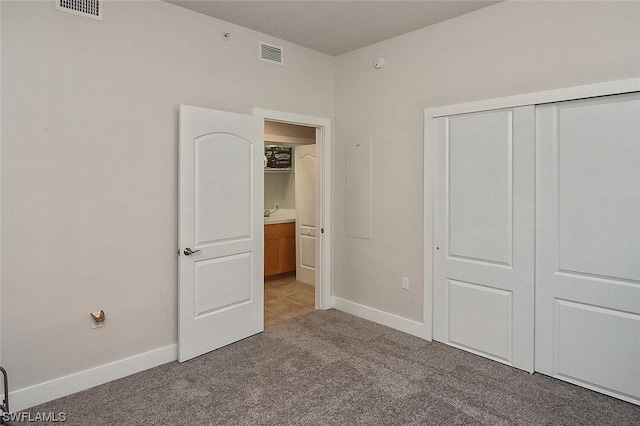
(268, 212)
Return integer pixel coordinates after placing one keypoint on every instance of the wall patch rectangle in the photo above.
(358, 190)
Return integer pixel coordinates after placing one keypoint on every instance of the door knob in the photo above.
(189, 252)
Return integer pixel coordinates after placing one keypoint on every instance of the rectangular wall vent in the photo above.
(271, 53)
(88, 8)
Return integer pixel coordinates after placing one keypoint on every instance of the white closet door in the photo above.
(588, 243)
(484, 233)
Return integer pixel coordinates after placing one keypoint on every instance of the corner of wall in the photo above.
(396, 322)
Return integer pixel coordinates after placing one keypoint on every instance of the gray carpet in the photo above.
(329, 367)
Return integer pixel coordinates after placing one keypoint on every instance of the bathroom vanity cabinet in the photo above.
(279, 248)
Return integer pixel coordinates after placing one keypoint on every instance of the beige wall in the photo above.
(506, 49)
(89, 168)
(280, 188)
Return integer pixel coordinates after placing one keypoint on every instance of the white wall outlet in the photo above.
(276, 205)
(405, 283)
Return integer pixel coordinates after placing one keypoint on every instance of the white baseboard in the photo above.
(405, 325)
(57, 388)
(47, 391)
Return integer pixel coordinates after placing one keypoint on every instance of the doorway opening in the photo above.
(295, 210)
(289, 221)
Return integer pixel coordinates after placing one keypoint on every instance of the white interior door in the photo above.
(484, 233)
(220, 220)
(305, 195)
(588, 243)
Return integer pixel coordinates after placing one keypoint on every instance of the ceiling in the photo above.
(333, 27)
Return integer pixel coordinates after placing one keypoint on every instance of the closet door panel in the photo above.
(588, 243)
(484, 233)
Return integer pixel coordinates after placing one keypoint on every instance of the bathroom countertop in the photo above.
(281, 216)
(268, 221)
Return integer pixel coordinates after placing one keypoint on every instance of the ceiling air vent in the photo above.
(271, 53)
(88, 8)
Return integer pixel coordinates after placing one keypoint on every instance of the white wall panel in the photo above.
(358, 190)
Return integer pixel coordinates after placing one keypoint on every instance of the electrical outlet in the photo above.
(276, 205)
(405, 283)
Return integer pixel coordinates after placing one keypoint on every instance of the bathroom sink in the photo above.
(281, 216)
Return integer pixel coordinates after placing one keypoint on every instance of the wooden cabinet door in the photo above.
(279, 248)
(288, 248)
(271, 254)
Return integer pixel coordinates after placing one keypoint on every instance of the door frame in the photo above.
(558, 95)
(323, 207)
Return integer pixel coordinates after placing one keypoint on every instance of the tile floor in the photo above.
(286, 298)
